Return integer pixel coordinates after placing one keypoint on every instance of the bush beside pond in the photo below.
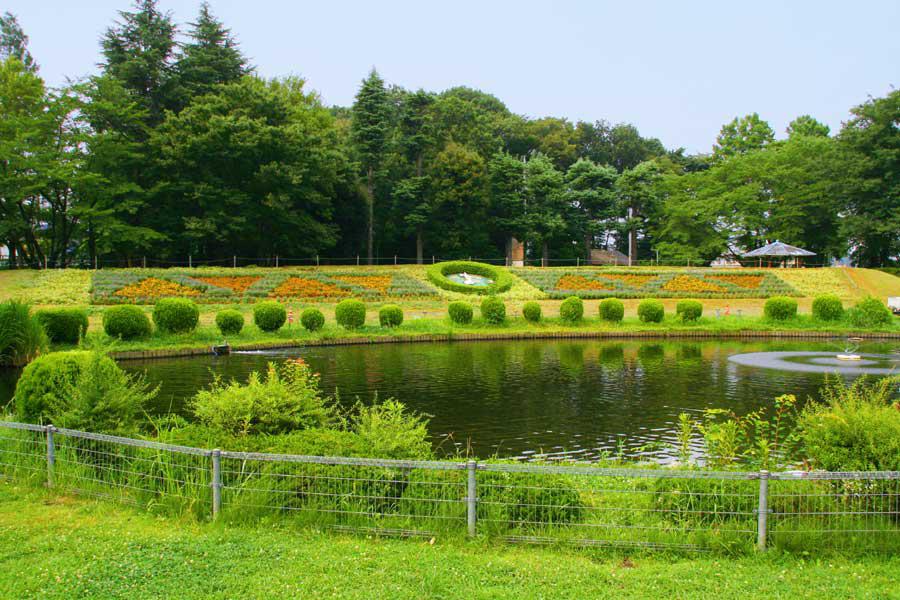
(780, 308)
(689, 310)
(63, 325)
(126, 321)
(312, 319)
(612, 310)
(870, 312)
(176, 315)
(493, 310)
(827, 307)
(21, 335)
(269, 315)
(460, 312)
(532, 312)
(571, 310)
(230, 321)
(390, 315)
(350, 313)
(651, 311)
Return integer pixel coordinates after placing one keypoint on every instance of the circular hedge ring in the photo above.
(501, 279)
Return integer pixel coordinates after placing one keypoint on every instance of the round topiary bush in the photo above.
(828, 308)
(63, 325)
(460, 312)
(571, 310)
(612, 309)
(127, 322)
(780, 308)
(312, 319)
(390, 315)
(269, 315)
(176, 315)
(350, 313)
(651, 311)
(46, 383)
(689, 310)
(493, 310)
(230, 321)
(870, 312)
(532, 312)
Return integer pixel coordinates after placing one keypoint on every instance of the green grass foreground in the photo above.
(55, 546)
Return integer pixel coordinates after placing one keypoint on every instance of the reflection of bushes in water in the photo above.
(651, 355)
(532, 358)
(571, 358)
(691, 353)
(612, 355)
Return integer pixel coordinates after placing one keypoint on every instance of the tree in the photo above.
(211, 58)
(871, 144)
(638, 198)
(370, 128)
(741, 135)
(547, 214)
(138, 51)
(620, 146)
(458, 179)
(14, 42)
(806, 125)
(507, 212)
(590, 191)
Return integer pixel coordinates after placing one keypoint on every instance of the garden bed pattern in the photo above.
(643, 283)
(146, 286)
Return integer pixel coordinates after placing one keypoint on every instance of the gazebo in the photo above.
(780, 251)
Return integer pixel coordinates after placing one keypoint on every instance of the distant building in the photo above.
(608, 257)
(726, 262)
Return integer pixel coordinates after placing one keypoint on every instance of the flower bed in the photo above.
(642, 282)
(238, 285)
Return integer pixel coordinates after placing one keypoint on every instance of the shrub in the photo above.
(230, 321)
(612, 309)
(780, 308)
(21, 335)
(529, 500)
(390, 315)
(870, 312)
(312, 319)
(176, 315)
(532, 312)
(460, 312)
(126, 322)
(350, 313)
(285, 398)
(390, 430)
(63, 325)
(689, 310)
(81, 390)
(502, 279)
(493, 310)
(269, 315)
(571, 310)
(827, 307)
(651, 311)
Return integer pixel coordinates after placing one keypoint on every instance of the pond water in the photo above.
(578, 399)
(470, 279)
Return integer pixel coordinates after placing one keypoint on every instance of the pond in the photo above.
(578, 399)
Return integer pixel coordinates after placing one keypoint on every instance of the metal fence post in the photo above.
(51, 455)
(763, 514)
(471, 497)
(216, 482)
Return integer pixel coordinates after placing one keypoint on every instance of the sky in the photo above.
(676, 70)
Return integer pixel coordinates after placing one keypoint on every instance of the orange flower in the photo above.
(750, 282)
(577, 282)
(237, 285)
(631, 280)
(686, 283)
(300, 287)
(378, 283)
(152, 287)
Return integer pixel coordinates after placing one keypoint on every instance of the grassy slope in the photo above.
(60, 547)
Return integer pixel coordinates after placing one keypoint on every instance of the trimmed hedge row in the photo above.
(437, 274)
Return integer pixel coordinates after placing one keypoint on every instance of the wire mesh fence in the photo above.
(632, 508)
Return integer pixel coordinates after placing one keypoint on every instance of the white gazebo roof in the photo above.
(777, 248)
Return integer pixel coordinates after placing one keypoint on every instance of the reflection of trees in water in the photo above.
(571, 358)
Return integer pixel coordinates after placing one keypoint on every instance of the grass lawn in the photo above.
(55, 546)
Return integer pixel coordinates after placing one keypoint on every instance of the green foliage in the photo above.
(269, 315)
(63, 325)
(312, 319)
(81, 390)
(571, 310)
(21, 335)
(285, 398)
(390, 315)
(230, 321)
(493, 310)
(550, 500)
(689, 310)
(389, 430)
(532, 312)
(827, 307)
(127, 322)
(853, 427)
(350, 313)
(460, 312)
(612, 310)
(780, 308)
(743, 135)
(870, 312)
(176, 315)
(437, 274)
(651, 311)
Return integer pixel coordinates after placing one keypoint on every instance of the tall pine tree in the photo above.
(369, 128)
(14, 42)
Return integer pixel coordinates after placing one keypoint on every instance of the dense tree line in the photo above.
(180, 148)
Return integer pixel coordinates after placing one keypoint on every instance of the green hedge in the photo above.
(176, 315)
(828, 308)
(780, 308)
(350, 313)
(493, 310)
(502, 279)
(689, 310)
(230, 321)
(571, 310)
(390, 315)
(870, 312)
(532, 312)
(460, 312)
(63, 325)
(612, 310)
(126, 321)
(45, 383)
(312, 319)
(651, 311)
(269, 315)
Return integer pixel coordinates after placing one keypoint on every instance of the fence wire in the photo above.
(636, 508)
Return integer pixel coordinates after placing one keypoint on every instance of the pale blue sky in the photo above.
(677, 70)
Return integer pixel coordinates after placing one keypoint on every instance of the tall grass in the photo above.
(21, 335)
